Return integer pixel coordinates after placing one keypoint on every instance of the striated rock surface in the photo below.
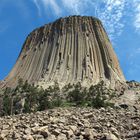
(2, 84)
(69, 50)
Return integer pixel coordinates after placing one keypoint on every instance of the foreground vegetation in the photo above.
(26, 98)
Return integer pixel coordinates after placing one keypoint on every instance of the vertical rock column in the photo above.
(69, 50)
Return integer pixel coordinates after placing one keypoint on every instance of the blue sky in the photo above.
(121, 18)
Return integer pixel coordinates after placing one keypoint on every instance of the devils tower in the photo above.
(69, 50)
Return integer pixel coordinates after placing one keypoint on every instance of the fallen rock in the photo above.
(134, 126)
(61, 137)
(28, 137)
(73, 128)
(110, 136)
(56, 132)
(5, 127)
(51, 137)
(69, 133)
(117, 124)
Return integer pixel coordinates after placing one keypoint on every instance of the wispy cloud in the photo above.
(73, 6)
(70, 7)
(111, 13)
(82, 7)
(53, 5)
(136, 4)
(37, 6)
(46, 3)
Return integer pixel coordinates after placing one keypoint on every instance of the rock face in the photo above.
(69, 50)
(2, 84)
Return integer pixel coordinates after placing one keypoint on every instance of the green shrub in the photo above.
(98, 101)
(38, 99)
(44, 102)
(97, 95)
(77, 95)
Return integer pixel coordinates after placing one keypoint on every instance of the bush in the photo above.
(97, 95)
(98, 101)
(7, 101)
(37, 99)
(77, 95)
(44, 102)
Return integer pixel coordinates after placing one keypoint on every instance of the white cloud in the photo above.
(53, 4)
(73, 6)
(46, 3)
(80, 7)
(136, 4)
(37, 6)
(111, 15)
(111, 12)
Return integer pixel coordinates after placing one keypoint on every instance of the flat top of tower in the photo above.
(75, 17)
(69, 19)
(79, 17)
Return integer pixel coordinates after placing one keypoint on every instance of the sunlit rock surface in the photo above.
(69, 50)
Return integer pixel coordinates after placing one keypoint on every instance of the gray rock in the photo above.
(73, 128)
(28, 137)
(51, 137)
(89, 134)
(38, 137)
(69, 133)
(28, 131)
(110, 136)
(16, 135)
(114, 123)
(56, 132)
(4, 133)
(61, 137)
(134, 126)
(5, 127)
(88, 115)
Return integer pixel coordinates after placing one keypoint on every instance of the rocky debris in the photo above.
(130, 98)
(133, 85)
(69, 50)
(72, 124)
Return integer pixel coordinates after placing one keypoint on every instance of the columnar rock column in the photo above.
(69, 50)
